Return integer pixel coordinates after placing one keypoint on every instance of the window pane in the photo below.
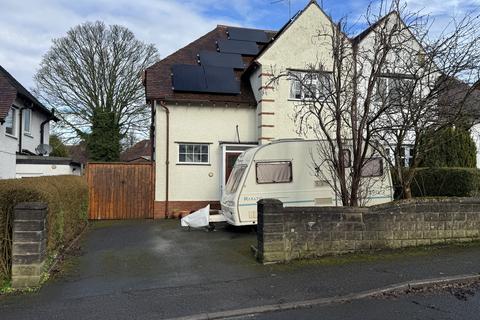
(196, 157)
(204, 157)
(373, 168)
(189, 148)
(181, 158)
(196, 148)
(204, 148)
(10, 122)
(235, 178)
(26, 120)
(182, 148)
(189, 157)
(274, 172)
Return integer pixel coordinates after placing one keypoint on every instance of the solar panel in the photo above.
(188, 78)
(221, 80)
(247, 35)
(236, 46)
(211, 79)
(212, 58)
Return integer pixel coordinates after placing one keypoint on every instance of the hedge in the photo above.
(67, 199)
(448, 182)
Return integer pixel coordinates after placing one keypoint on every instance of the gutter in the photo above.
(167, 151)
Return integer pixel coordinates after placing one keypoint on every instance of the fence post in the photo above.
(29, 244)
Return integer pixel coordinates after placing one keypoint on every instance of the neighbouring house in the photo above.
(139, 152)
(214, 98)
(24, 134)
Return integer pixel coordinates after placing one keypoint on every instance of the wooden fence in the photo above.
(121, 190)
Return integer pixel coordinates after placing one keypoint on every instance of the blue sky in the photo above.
(28, 26)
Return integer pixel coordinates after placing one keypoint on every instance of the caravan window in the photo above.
(235, 178)
(373, 168)
(274, 172)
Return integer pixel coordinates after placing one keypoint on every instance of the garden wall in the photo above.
(303, 232)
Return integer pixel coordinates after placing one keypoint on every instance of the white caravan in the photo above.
(285, 170)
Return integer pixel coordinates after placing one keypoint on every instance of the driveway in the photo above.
(155, 269)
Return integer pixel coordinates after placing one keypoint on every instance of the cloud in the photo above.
(27, 27)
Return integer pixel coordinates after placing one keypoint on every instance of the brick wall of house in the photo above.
(303, 232)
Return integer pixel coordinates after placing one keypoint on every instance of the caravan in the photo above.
(288, 170)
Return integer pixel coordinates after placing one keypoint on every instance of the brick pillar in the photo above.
(29, 244)
(270, 231)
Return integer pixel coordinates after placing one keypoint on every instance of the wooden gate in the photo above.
(120, 190)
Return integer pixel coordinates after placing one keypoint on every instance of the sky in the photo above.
(27, 27)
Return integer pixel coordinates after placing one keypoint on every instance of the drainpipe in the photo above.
(42, 126)
(167, 151)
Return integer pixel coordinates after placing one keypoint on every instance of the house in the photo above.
(202, 123)
(24, 134)
(139, 152)
(215, 98)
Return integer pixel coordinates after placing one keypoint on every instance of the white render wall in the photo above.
(36, 170)
(298, 48)
(475, 134)
(9, 144)
(198, 124)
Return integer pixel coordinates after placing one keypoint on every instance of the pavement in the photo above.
(156, 270)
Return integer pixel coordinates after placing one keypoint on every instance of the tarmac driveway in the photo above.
(155, 269)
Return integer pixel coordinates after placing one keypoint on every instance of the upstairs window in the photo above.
(274, 172)
(395, 90)
(10, 122)
(310, 85)
(27, 118)
(193, 153)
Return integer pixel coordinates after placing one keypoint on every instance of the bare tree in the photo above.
(379, 91)
(93, 78)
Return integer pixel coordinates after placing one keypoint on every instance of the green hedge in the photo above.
(67, 199)
(447, 182)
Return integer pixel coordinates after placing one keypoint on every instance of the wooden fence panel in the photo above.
(120, 190)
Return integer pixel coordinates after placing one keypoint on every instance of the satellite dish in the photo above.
(43, 149)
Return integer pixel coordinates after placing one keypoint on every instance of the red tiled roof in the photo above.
(158, 80)
(7, 96)
(140, 150)
(9, 89)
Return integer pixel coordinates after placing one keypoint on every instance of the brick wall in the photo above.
(176, 206)
(303, 232)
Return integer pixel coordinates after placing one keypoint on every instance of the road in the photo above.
(439, 305)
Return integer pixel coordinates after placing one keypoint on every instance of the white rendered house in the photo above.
(24, 126)
(214, 98)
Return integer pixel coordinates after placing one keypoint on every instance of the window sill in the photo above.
(26, 134)
(193, 164)
(11, 136)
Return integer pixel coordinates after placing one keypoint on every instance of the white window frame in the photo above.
(297, 87)
(24, 112)
(193, 144)
(13, 114)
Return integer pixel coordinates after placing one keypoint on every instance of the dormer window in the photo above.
(11, 122)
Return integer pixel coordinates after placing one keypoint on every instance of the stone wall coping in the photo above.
(31, 206)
